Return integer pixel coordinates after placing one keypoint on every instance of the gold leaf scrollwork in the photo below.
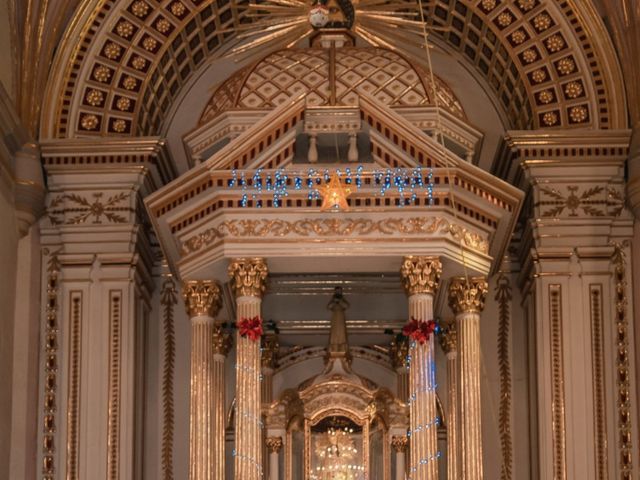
(201, 298)
(248, 277)
(467, 295)
(83, 210)
(420, 274)
(328, 227)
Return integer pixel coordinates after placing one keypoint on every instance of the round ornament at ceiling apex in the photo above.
(319, 16)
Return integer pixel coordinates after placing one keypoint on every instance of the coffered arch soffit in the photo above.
(123, 63)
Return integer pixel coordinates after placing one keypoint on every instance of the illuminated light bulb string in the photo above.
(407, 183)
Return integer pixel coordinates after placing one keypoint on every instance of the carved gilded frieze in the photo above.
(201, 298)
(420, 274)
(467, 295)
(248, 277)
(330, 227)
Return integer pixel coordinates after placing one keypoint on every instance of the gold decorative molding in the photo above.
(270, 349)
(248, 277)
(570, 201)
(201, 298)
(168, 300)
(420, 274)
(51, 344)
(274, 444)
(338, 227)
(557, 370)
(599, 400)
(623, 364)
(73, 400)
(504, 297)
(113, 429)
(400, 443)
(222, 341)
(448, 337)
(467, 295)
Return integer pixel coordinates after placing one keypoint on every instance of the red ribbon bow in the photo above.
(419, 331)
(250, 327)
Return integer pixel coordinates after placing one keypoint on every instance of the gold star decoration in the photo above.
(334, 195)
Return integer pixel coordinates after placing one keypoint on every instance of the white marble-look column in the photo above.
(420, 277)
(248, 281)
(202, 301)
(399, 444)
(448, 342)
(466, 298)
(274, 444)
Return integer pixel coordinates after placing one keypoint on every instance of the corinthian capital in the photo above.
(467, 297)
(448, 337)
(399, 443)
(222, 341)
(420, 274)
(201, 298)
(248, 276)
(274, 444)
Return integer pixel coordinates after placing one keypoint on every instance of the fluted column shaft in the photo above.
(221, 345)
(420, 276)
(202, 301)
(448, 341)
(466, 299)
(248, 282)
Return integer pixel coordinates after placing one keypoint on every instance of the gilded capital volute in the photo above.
(222, 341)
(420, 274)
(248, 277)
(398, 351)
(448, 337)
(270, 349)
(201, 298)
(467, 297)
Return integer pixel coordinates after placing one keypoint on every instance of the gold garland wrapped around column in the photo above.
(420, 278)
(248, 281)
(466, 299)
(222, 343)
(202, 301)
(449, 343)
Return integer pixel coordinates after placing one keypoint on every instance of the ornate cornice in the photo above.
(248, 277)
(467, 295)
(274, 444)
(420, 274)
(201, 298)
(399, 443)
(222, 341)
(448, 337)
